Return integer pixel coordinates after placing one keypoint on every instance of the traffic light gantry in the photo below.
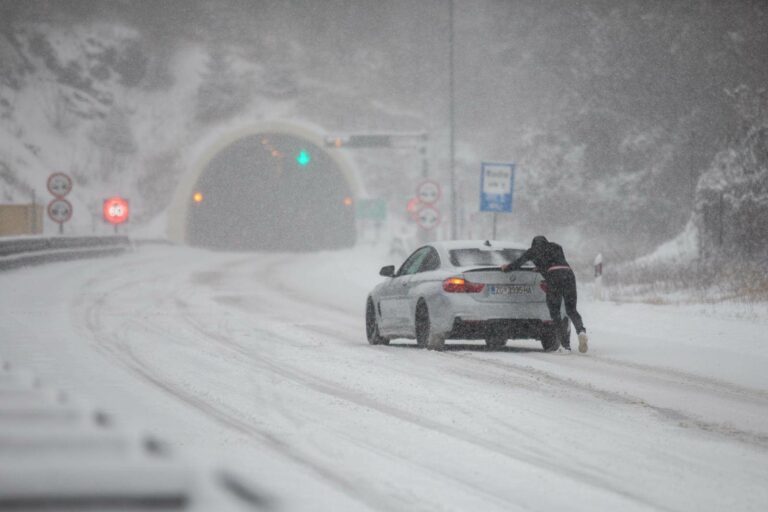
(377, 140)
(417, 140)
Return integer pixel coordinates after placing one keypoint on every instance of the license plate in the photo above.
(509, 289)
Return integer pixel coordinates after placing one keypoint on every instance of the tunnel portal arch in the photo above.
(249, 191)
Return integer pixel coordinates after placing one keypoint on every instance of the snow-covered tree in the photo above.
(732, 196)
(222, 92)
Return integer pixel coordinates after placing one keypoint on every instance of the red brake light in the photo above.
(461, 285)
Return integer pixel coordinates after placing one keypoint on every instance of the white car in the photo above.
(456, 290)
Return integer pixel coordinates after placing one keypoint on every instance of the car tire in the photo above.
(372, 326)
(496, 341)
(549, 341)
(549, 335)
(424, 335)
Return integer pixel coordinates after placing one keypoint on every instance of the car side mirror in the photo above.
(387, 271)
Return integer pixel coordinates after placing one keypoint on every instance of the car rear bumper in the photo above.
(505, 327)
(463, 314)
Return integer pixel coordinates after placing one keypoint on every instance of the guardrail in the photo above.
(57, 454)
(21, 252)
(61, 453)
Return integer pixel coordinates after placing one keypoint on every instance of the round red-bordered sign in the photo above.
(116, 210)
(428, 192)
(428, 217)
(59, 184)
(60, 210)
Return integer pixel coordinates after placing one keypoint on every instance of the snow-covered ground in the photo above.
(257, 364)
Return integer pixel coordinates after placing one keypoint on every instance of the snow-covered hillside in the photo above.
(612, 114)
(95, 101)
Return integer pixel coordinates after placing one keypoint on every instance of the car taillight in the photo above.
(461, 285)
(543, 286)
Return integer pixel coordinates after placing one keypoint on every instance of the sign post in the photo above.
(497, 185)
(59, 209)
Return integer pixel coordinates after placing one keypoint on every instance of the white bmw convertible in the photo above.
(455, 290)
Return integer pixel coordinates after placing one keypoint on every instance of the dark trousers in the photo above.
(561, 285)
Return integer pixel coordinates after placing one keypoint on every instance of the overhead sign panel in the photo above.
(359, 141)
(377, 140)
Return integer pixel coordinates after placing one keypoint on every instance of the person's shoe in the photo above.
(583, 342)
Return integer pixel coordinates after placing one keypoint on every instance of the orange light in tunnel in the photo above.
(197, 197)
(276, 153)
(347, 201)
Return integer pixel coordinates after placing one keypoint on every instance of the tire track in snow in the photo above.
(330, 388)
(689, 379)
(353, 340)
(754, 439)
(661, 377)
(114, 346)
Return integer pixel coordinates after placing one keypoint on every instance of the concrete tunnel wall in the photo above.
(182, 211)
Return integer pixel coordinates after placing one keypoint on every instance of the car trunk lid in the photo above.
(515, 286)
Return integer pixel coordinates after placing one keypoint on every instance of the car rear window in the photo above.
(472, 257)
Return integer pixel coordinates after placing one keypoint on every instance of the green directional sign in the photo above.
(372, 209)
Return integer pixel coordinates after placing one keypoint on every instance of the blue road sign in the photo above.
(497, 186)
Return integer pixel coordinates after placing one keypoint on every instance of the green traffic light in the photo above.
(303, 159)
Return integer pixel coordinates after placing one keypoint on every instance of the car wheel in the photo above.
(424, 335)
(549, 341)
(372, 326)
(496, 341)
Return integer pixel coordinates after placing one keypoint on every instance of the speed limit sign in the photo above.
(115, 210)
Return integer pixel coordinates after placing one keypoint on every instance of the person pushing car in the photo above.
(561, 283)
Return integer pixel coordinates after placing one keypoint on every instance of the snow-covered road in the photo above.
(257, 363)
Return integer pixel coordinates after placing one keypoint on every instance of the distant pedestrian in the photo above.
(561, 284)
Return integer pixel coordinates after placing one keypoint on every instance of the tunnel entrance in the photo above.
(273, 192)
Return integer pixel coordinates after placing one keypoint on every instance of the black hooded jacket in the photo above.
(543, 253)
